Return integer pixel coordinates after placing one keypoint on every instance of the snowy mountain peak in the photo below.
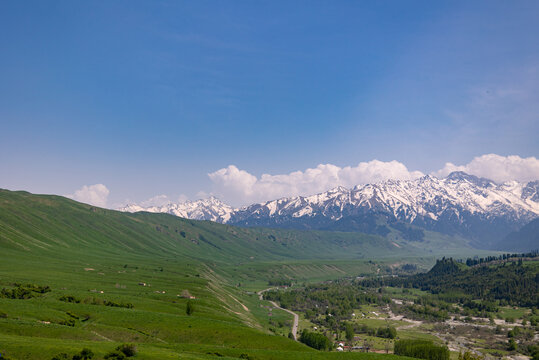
(462, 176)
(204, 209)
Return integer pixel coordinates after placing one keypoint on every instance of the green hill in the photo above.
(73, 276)
(43, 223)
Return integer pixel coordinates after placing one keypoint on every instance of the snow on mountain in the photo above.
(205, 209)
(408, 199)
(428, 202)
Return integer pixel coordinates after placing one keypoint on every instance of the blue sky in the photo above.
(150, 97)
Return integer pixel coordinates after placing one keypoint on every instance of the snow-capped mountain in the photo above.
(460, 204)
(427, 197)
(211, 209)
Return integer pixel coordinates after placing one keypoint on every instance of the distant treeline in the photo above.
(509, 283)
(502, 258)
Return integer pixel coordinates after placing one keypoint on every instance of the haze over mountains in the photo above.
(462, 205)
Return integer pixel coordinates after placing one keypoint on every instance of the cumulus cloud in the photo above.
(92, 194)
(238, 186)
(497, 168)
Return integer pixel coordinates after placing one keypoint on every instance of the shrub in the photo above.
(69, 299)
(115, 304)
(387, 332)
(127, 349)
(190, 308)
(246, 356)
(115, 355)
(85, 354)
(68, 322)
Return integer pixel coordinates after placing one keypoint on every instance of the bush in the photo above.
(85, 354)
(68, 322)
(115, 355)
(69, 299)
(246, 356)
(127, 349)
(190, 308)
(421, 349)
(387, 332)
(121, 304)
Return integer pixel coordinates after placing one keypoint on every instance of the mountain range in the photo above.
(461, 205)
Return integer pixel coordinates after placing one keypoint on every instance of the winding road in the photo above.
(296, 317)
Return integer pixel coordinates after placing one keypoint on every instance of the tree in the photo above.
(387, 346)
(127, 349)
(349, 329)
(190, 308)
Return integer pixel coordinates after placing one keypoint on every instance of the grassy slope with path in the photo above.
(97, 255)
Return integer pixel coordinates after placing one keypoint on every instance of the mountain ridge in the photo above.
(460, 204)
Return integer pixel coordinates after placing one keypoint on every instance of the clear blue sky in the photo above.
(149, 97)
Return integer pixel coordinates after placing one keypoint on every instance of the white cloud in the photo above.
(157, 200)
(92, 194)
(240, 187)
(497, 168)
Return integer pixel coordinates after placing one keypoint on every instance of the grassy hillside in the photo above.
(40, 223)
(116, 277)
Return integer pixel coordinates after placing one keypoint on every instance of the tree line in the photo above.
(502, 258)
(508, 283)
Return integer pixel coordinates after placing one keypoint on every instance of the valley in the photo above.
(375, 314)
(269, 180)
(75, 276)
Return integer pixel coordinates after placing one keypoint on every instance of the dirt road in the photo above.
(296, 317)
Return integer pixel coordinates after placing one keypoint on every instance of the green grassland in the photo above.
(98, 258)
